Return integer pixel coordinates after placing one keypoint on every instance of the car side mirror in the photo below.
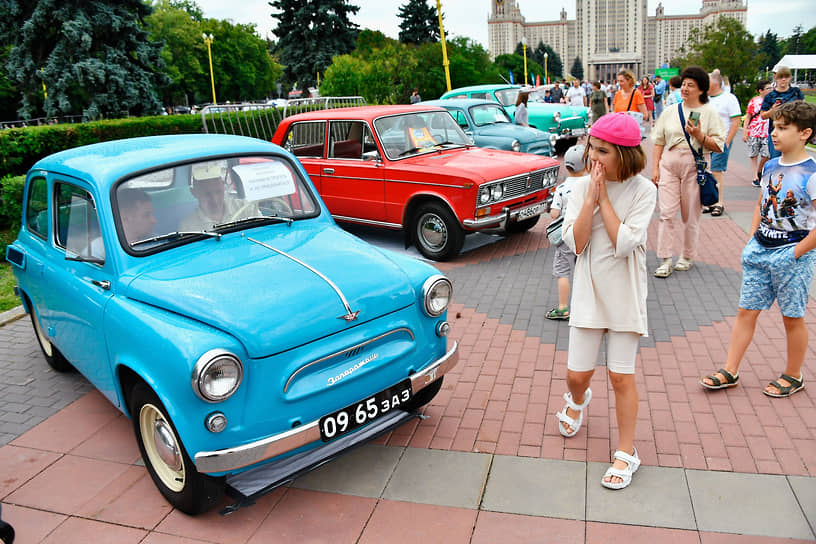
(371, 156)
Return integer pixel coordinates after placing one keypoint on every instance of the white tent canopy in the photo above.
(795, 62)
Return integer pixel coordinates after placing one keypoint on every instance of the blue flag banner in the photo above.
(511, 77)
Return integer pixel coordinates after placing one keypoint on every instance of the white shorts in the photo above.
(584, 345)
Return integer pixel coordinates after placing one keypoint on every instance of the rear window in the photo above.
(306, 139)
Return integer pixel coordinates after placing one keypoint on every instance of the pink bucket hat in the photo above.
(617, 128)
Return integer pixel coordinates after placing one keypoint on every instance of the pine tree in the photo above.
(554, 65)
(769, 49)
(420, 23)
(577, 70)
(310, 33)
(93, 57)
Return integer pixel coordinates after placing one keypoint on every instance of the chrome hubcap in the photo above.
(166, 445)
(432, 231)
(162, 447)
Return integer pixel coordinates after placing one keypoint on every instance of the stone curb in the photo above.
(12, 315)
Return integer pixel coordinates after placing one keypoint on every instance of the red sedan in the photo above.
(412, 168)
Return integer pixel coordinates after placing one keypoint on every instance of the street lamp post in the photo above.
(524, 48)
(208, 39)
(546, 77)
(445, 62)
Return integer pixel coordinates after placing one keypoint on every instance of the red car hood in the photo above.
(474, 163)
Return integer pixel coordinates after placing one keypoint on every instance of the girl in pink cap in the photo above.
(605, 225)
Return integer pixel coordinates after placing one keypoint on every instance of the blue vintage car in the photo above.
(488, 124)
(202, 286)
(564, 123)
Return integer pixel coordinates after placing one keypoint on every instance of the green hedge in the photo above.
(20, 148)
(11, 203)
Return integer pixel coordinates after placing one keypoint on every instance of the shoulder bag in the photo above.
(709, 195)
(554, 230)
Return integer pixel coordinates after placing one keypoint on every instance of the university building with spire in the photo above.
(607, 35)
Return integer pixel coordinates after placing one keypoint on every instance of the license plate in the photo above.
(358, 414)
(531, 211)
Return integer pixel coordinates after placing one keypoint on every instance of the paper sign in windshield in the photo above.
(265, 180)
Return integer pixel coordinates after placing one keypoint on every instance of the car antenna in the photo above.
(505, 79)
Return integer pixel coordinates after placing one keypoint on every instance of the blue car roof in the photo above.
(107, 162)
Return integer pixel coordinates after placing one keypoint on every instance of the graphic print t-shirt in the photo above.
(787, 214)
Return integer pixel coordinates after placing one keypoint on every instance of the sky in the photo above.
(463, 19)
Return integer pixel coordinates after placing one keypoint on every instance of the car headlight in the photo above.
(484, 195)
(497, 191)
(557, 117)
(436, 291)
(516, 145)
(217, 375)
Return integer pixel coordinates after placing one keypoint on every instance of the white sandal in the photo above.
(564, 419)
(632, 462)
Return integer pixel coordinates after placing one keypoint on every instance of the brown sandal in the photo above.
(717, 210)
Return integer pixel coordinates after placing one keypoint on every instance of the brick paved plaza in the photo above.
(488, 464)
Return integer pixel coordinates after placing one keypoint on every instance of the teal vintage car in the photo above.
(489, 126)
(564, 123)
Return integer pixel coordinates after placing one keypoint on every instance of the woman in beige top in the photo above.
(675, 171)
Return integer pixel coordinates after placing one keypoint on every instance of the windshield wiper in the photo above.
(174, 236)
(407, 151)
(448, 142)
(274, 218)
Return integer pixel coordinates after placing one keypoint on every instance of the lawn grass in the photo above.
(810, 98)
(8, 299)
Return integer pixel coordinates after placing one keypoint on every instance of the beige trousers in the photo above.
(678, 191)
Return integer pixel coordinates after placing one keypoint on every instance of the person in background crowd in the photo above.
(520, 117)
(647, 89)
(674, 168)
(415, 98)
(728, 107)
(576, 95)
(556, 93)
(755, 131)
(597, 102)
(547, 96)
(659, 94)
(610, 92)
(673, 94)
(779, 260)
(628, 98)
(564, 258)
(781, 94)
(606, 223)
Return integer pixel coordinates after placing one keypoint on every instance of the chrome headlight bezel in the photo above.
(557, 117)
(208, 363)
(496, 191)
(484, 195)
(430, 292)
(515, 146)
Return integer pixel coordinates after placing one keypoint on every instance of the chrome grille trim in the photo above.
(346, 351)
(516, 186)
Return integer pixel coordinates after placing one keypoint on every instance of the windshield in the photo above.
(414, 133)
(489, 114)
(203, 199)
(507, 96)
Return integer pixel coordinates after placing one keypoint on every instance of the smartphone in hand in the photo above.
(694, 118)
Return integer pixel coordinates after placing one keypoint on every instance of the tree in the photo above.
(420, 23)
(769, 49)
(515, 63)
(794, 43)
(310, 33)
(242, 65)
(554, 65)
(726, 45)
(93, 57)
(577, 70)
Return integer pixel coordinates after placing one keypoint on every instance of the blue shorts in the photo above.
(719, 161)
(773, 273)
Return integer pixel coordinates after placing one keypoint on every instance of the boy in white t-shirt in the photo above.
(564, 258)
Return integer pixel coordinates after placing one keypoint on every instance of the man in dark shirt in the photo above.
(556, 93)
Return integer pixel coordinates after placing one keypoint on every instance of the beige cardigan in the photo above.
(609, 286)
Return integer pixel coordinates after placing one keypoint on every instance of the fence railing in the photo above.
(261, 120)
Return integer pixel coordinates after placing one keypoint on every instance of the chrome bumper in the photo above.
(500, 220)
(242, 456)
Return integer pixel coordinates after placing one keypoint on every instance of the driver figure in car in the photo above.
(214, 205)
